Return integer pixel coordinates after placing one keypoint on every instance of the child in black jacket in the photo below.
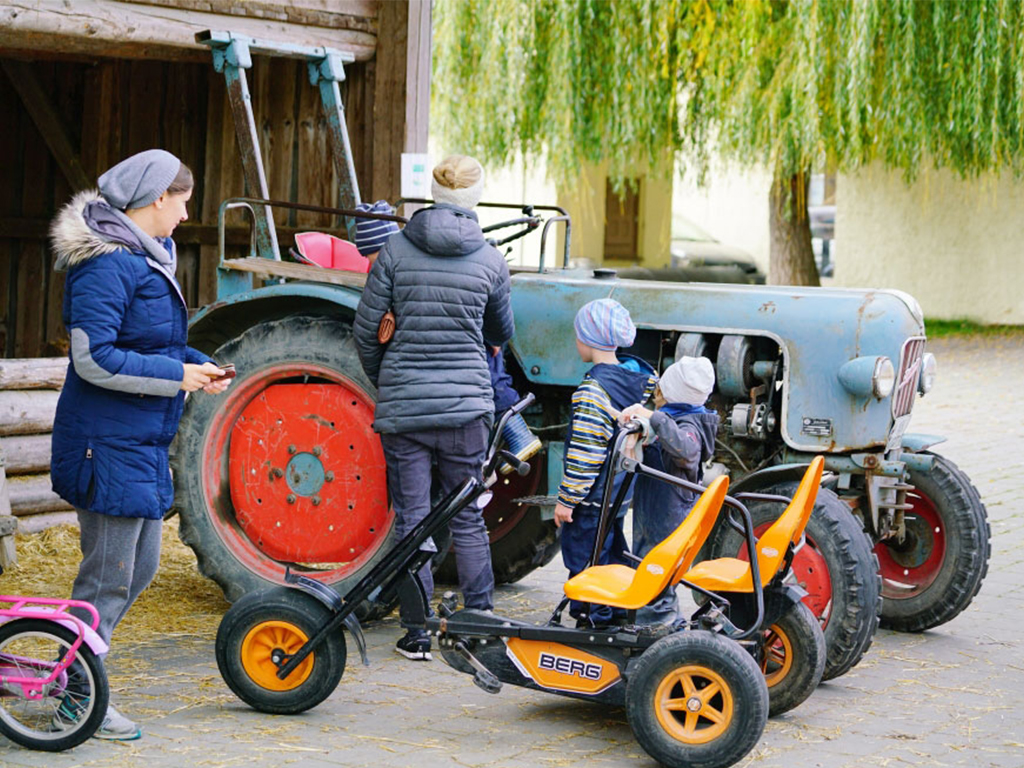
(685, 439)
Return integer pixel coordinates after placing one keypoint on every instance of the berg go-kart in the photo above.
(694, 696)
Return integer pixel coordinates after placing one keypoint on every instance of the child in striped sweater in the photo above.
(615, 382)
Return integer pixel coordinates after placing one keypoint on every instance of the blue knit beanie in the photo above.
(605, 324)
(140, 179)
(371, 234)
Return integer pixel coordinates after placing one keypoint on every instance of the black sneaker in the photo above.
(415, 645)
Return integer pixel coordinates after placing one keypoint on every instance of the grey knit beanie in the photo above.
(140, 179)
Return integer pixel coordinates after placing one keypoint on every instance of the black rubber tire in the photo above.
(968, 549)
(299, 609)
(532, 544)
(806, 641)
(732, 664)
(100, 689)
(853, 570)
(325, 341)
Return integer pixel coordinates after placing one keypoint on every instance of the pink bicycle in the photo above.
(53, 688)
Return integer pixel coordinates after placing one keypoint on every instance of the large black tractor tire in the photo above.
(208, 522)
(933, 575)
(836, 539)
(530, 545)
(695, 699)
(273, 622)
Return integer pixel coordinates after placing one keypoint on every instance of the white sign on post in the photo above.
(415, 175)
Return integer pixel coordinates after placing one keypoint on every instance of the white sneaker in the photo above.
(116, 726)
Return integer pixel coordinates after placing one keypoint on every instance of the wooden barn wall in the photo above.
(110, 109)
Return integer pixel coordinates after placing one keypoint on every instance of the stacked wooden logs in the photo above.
(29, 389)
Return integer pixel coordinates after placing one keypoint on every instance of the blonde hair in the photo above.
(458, 172)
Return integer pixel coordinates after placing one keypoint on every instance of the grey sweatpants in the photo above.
(120, 556)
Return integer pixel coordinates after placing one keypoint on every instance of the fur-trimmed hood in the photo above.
(73, 241)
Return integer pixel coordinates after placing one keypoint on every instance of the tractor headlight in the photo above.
(928, 369)
(871, 375)
(884, 378)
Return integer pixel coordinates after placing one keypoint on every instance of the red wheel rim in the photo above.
(502, 514)
(811, 572)
(910, 567)
(306, 407)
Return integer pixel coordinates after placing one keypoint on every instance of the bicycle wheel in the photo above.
(70, 708)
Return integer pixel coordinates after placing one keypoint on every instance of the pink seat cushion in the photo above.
(331, 252)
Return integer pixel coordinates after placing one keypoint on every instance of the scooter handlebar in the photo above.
(523, 404)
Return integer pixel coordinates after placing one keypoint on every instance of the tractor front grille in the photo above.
(907, 376)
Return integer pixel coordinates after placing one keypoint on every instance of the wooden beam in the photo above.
(358, 15)
(135, 31)
(417, 77)
(189, 233)
(297, 271)
(402, 98)
(40, 108)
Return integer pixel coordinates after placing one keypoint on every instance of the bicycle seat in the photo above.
(730, 574)
(622, 587)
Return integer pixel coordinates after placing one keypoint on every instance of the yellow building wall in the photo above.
(954, 245)
(586, 200)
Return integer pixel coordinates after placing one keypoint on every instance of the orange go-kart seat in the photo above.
(622, 587)
(332, 252)
(730, 574)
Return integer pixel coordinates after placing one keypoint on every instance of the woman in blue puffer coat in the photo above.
(125, 389)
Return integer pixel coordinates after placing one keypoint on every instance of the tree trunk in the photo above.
(791, 260)
(33, 373)
(31, 494)
(25, 454)
(27, 412)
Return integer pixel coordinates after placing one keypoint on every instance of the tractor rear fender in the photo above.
(225, 319)
(917, 441)
(762, 478)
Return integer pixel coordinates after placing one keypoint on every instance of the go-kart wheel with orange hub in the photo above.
(835, 566)
(792, 659)
(695, 699)
(284, 468)
(259, 632)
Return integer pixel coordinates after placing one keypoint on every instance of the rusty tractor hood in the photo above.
(817, 329)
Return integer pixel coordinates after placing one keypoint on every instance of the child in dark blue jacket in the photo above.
(685, 438)
(518, 438)
(615, 381)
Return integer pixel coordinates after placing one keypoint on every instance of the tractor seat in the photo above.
(330, 252)
(622, 587)
(730, 574)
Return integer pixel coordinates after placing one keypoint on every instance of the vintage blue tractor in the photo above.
(285, 469)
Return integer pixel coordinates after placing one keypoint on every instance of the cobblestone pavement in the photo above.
(950, 697)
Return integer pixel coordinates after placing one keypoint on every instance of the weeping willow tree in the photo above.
(789, 85)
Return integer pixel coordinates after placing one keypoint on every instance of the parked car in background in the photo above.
(823, 233)
(708, 259)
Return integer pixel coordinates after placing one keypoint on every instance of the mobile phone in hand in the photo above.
(229, 371)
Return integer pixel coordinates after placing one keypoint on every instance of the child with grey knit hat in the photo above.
(684, 431)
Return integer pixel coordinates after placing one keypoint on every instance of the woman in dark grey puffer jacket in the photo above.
(449, 291)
